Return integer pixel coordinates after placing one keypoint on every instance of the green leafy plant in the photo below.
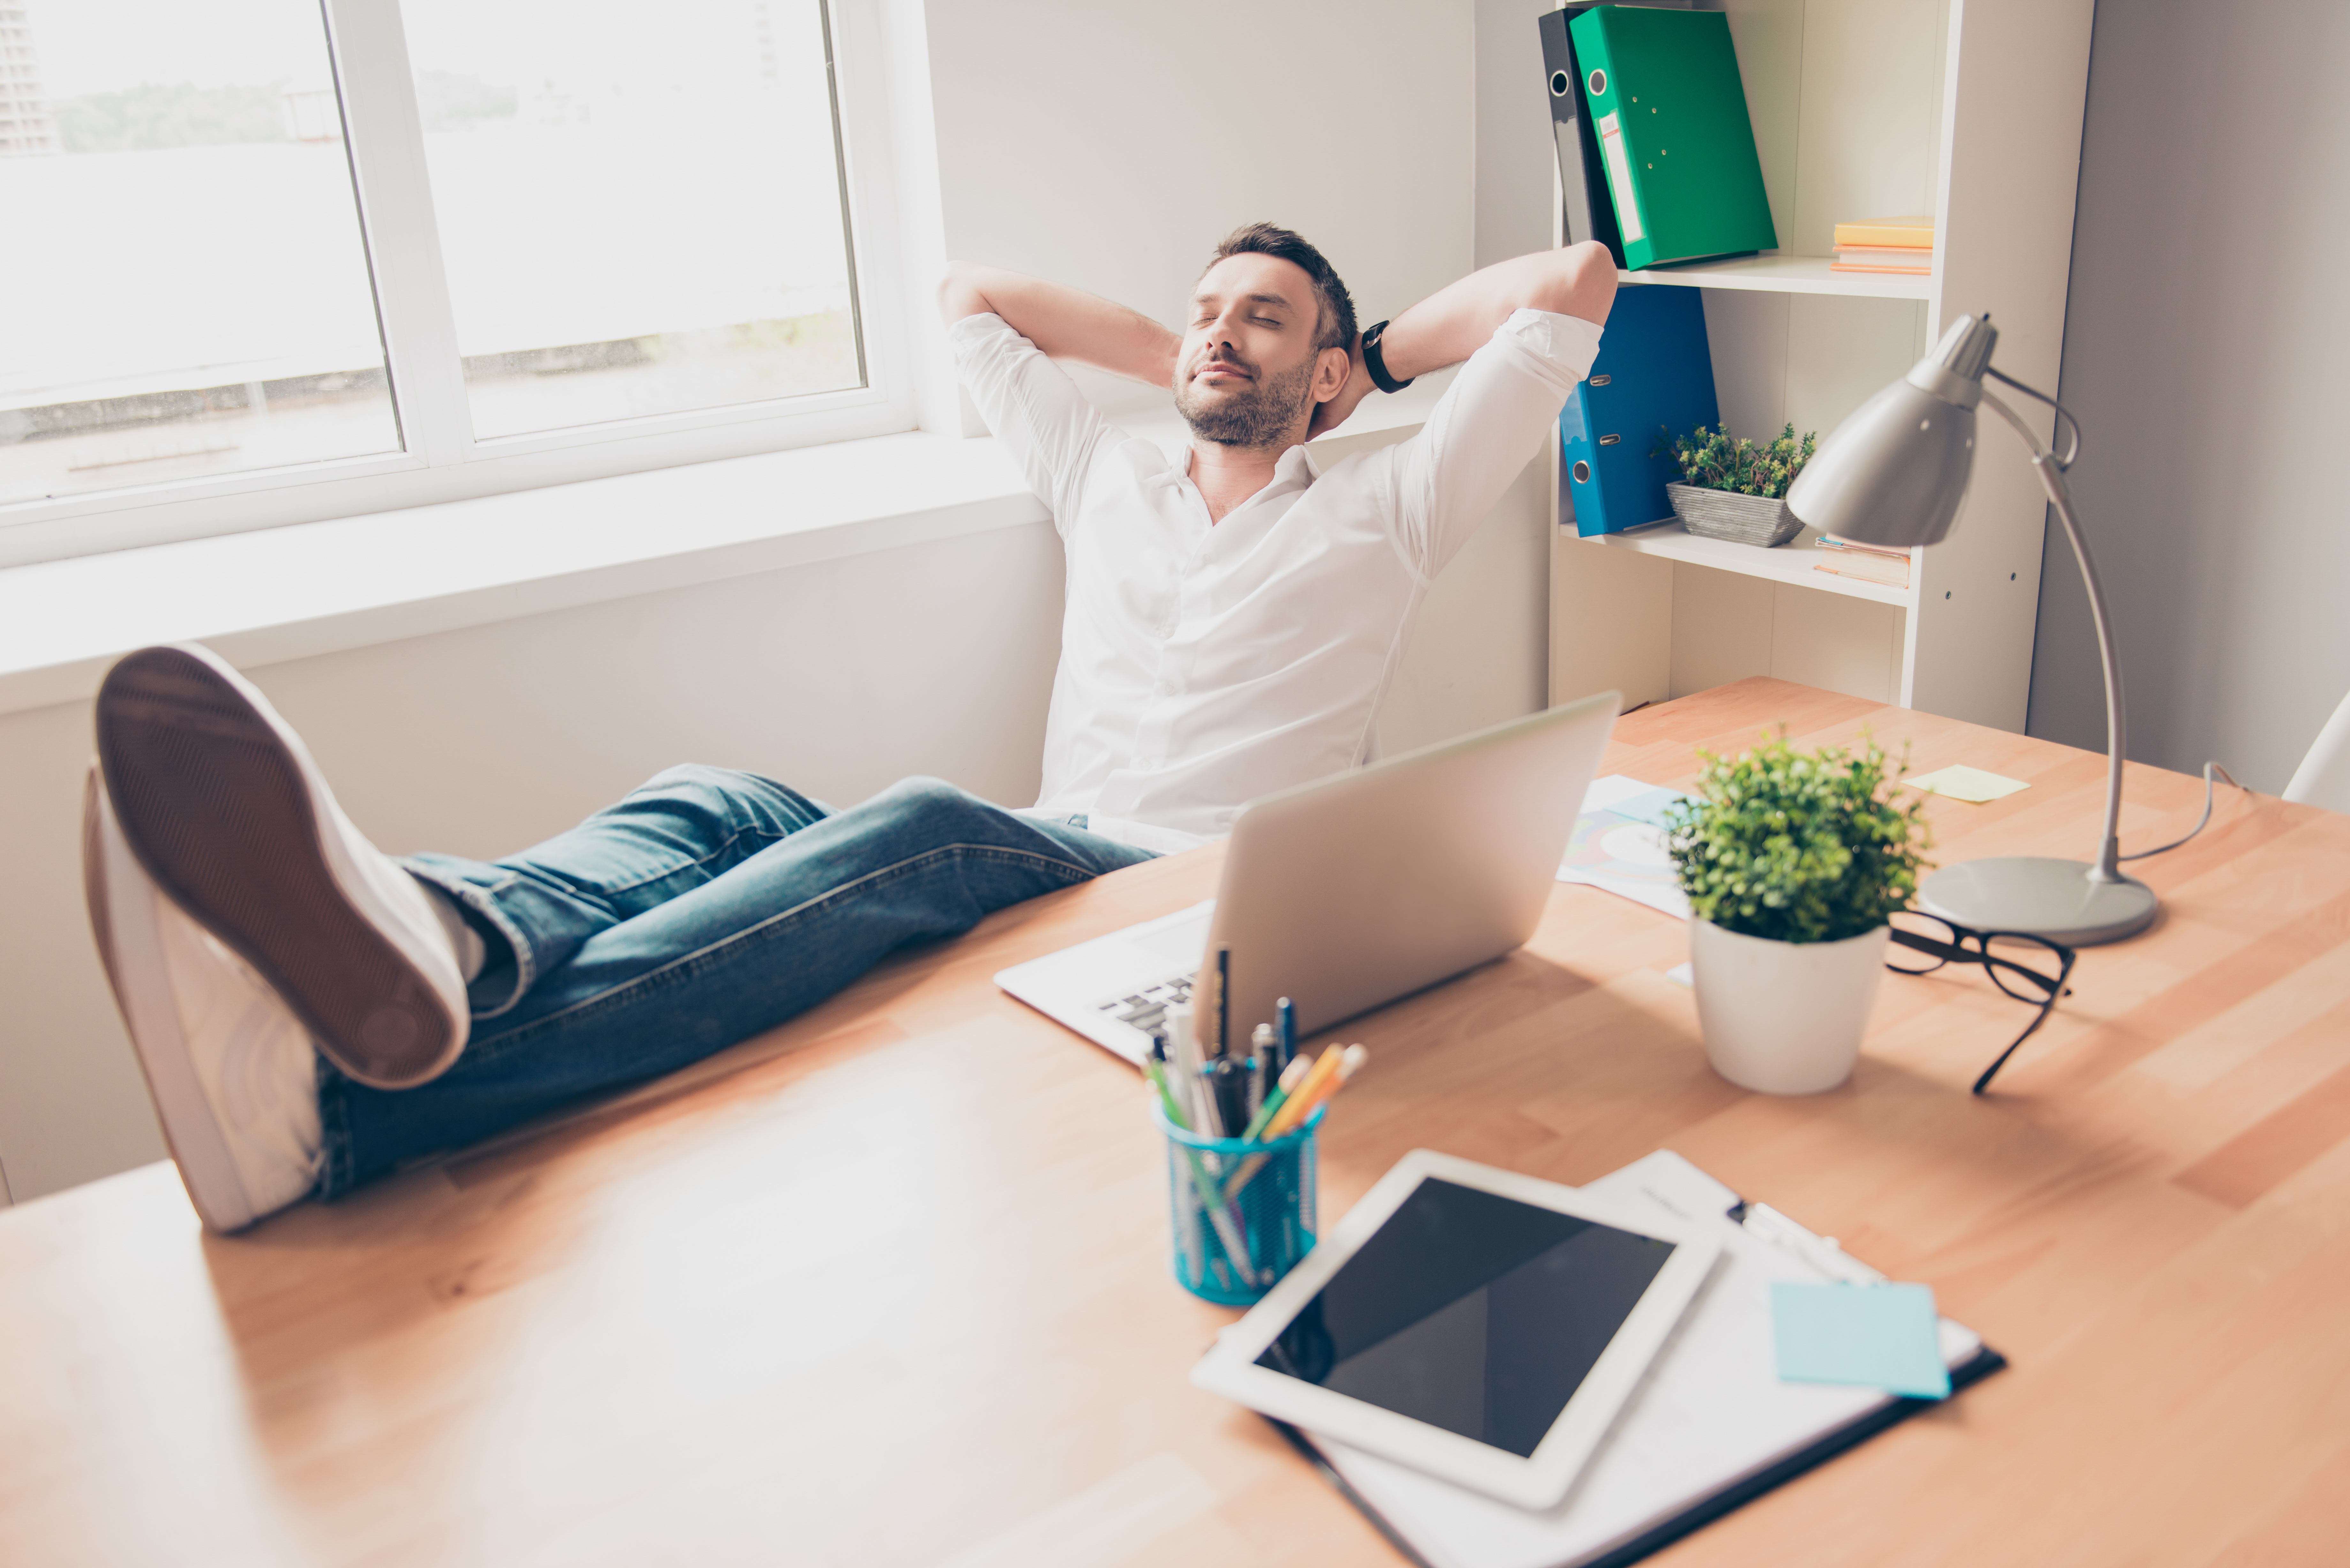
(1799, 846)
(1714, 460)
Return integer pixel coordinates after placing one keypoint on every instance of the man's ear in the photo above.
(1331, 368)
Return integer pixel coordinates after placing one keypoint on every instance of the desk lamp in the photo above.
(1894, 474)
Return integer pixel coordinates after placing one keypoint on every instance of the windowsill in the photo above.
(312, 588)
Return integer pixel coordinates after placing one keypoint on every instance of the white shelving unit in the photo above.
(1795, 562)
(1781, 274)
(1967, 108)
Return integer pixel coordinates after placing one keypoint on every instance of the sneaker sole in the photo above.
(123, 920)
(218, 808)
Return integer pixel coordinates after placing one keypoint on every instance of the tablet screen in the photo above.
(1471, 1311)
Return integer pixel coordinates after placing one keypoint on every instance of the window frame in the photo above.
(440, 459)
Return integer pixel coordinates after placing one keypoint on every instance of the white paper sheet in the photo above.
(1618, 844)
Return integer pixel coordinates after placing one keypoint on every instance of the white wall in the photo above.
(482, 741)
(1111, 145)
(1108, 146)
(2203, 354)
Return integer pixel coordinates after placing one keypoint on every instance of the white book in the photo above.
(1711, 1427)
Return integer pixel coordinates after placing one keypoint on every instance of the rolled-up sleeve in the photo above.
(1032, 408)
(1495, 417)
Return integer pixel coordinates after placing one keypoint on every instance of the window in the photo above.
(258, 244)
(638, 216)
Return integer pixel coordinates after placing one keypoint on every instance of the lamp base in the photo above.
(2040, 898)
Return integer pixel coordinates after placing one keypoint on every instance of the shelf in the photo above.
(1776, 274)
(1791, 562)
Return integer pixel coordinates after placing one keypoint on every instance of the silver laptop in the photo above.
(1349, 893)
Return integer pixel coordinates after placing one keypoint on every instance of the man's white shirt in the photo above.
(1204, 665)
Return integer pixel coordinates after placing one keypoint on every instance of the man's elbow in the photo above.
(959, 292)
(1581, 280)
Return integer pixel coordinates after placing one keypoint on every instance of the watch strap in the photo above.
(1375, 363)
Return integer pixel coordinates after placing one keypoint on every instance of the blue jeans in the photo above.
(707, 907)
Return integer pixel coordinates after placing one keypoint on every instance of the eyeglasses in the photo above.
(1941, 942)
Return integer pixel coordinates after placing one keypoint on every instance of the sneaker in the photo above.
(230, 1071)
(218, 800)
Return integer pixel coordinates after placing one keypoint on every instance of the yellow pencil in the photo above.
(1294, 1110)
(1314, 1092)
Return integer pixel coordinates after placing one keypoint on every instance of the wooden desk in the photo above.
(889, 1285)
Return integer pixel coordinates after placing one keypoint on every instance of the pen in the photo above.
(1262, 1068)
(1291, 1077)
(1203, 1007)
(1155, 1065)
(1227, 1081)
(1303, 1098)
(1184, 1064)
(1285, 1013)
(1223, 999)
(1199, 1195)
(1304, 1103)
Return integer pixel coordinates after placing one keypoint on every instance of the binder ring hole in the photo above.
(1582, 472)
(1597, 82)
(1559, 84)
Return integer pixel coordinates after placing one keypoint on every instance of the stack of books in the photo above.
(1884, 245)
(1870, 563)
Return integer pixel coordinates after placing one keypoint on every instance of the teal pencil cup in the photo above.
(1243, 1213)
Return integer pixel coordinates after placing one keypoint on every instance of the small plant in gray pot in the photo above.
(1732, 488)
(1793, 861)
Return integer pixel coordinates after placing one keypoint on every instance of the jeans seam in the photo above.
(686, 962)
(732, 839)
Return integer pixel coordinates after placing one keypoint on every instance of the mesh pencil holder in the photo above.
(1242, 1212)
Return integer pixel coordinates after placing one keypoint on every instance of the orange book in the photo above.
(1919, 259)
(1868, 568)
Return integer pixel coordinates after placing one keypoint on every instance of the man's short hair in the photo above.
(1334, 326)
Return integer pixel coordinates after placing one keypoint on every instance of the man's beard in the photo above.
(1257, 418)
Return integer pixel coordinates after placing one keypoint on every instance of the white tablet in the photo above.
(1477, 1324)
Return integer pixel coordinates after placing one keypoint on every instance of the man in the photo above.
(311, 1013)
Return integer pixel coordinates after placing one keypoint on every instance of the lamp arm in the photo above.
(2107, 867)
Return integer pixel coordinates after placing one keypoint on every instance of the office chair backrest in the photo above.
(2324, 776)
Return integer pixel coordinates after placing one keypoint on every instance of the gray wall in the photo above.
(2203, 353)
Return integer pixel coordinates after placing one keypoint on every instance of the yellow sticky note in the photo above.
(1963, 782)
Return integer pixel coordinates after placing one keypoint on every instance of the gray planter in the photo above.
(1726, 514)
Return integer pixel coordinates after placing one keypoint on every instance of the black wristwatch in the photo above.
(1376, 364)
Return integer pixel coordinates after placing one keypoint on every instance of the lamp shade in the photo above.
(1894, 471)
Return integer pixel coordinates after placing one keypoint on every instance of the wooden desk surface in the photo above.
(889, 1285)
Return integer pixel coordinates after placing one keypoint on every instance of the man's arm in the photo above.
(1066, 323)
(1455, 321)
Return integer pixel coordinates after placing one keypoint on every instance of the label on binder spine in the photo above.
(1619, 179)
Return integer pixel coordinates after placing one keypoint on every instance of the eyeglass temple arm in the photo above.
(2108, 865)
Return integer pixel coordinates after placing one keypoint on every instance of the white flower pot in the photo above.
(1785, 1018)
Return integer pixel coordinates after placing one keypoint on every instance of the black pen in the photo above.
(1286, 1012)
(1223, 999)
(1230, 1088)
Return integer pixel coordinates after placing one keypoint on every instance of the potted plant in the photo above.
(1732, 488)
(1792, 862)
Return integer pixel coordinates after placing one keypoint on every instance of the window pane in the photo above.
(640, 210)
(183, 290)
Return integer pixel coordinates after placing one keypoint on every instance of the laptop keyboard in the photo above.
(1147, 1010)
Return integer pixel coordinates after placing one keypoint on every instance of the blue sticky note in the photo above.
(1878, 1336)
